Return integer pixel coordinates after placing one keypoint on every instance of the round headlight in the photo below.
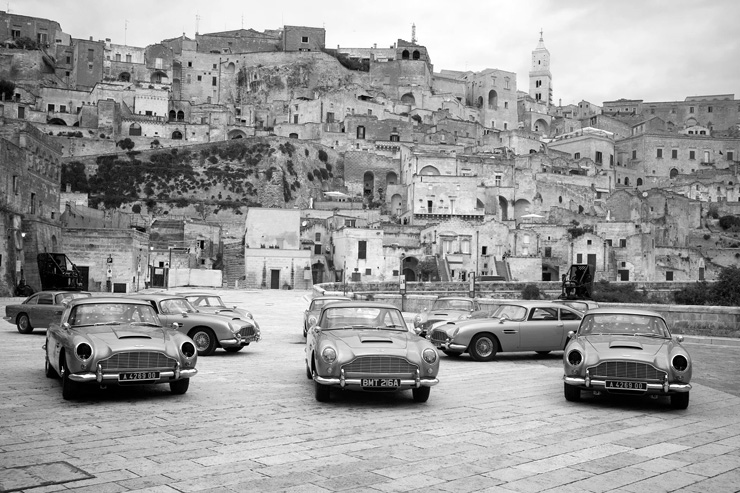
(83, 351)
(429, 355)
(312, 320)
(329, 354)
(249, 315)
(575, 357)
(188, 349)
(680, 363)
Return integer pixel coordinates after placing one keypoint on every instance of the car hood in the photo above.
(139, 337)
(633, 347)
(442, 314)
(359, 339)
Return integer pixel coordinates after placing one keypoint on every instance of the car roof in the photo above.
(530, 303)
(462, 298)
(62, 291)
(107, 299)
(155, 296)
(332, 297)
(361, 304)
(196, 293)
(624, 311)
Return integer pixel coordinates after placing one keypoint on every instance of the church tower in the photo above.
(540, 78)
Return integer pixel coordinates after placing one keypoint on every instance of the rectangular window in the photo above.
(674, 153)
(611, 159)
(634, 154)
(599, 158)
(200, 78)
(15, 33)
(118, 57)
(362, 249)
(577, 155)
(350, 223)
(506, 105)
(579, 258)
(213, 81)
(318, 237)
(497, 180)
(730, 155)
(317, 249)
(483, 250)
(659, 154)
(548, 252)
(90, 55)
(15, 184)
(329, 117)
(622, 243)
(304, 39)
(709, 109)
(368, 272)
(691, 109)
(609, 242)
(33, 203)
(669, 275)
(157, 63)
(692, 154)
(62, 108)
(128, 58)
(50, 108)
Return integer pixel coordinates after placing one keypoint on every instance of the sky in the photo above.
(654, 50)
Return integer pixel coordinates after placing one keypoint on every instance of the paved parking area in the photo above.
(250, 423)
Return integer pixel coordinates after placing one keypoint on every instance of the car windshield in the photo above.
(511, 312)
(319, 304)
(362, 318)
(112, 314)
(176, 306)
(206, 301)
(453, 305)
(623, 324)
(69, 296)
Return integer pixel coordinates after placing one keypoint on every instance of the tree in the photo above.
(698, 294)
(726, 291)
(530, 292)
(428, 268)
(126, 144)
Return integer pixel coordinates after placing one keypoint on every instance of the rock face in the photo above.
(260, 171)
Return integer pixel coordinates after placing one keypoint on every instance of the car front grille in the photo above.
(246, 331)
(137, 360)
(380, 365)
(627, 369)
(439, 336)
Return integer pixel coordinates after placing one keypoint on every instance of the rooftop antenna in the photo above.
(413, 33)
(125, 31)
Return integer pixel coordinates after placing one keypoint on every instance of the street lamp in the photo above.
(169, 266)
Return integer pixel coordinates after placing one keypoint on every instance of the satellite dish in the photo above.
(304, 223)
(644, 194)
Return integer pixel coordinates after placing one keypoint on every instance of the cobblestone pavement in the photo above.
(250, 423)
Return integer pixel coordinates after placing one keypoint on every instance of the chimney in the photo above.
(90, 38)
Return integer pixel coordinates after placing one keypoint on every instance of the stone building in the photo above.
(540, 78)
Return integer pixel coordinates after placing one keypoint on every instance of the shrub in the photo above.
(707, 236)
(323, 156)
(531, 292)
(729, 222)
(698, 294)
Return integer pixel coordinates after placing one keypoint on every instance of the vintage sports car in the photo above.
(212, 303)
(116, 341)
(539, 326)
(40, 310)
(311, 315)
(581, 305)
(366, 346)
(208, 331)
(622, 351)
(444, 309)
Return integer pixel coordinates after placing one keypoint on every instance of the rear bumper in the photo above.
(652, 388)
(100, 377)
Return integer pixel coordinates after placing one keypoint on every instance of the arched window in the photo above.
(177, 135)
(639, 182)
(124, 76)
(492, 99)
(480, 102)
(180, 115)
(134, 129)
(293, 135)
(173, 115)
(416, 55)
(405, 55)
(391, 178)
(674, 173)
(626, 180)
(408, 98)
(429, 170)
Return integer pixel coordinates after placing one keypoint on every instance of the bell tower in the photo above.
(540, 78)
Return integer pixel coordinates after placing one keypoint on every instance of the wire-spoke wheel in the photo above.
(204, 339)
(483, 347)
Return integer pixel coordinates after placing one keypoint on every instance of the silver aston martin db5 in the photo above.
(366, 346)
(539, 326)
(621, 351)
(116, 341)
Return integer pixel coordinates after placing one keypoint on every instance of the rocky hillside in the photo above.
(256, 172)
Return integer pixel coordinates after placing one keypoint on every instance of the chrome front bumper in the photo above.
(449, 346)
(239, 341)
(591, 384)
(100, 377)
(357, 382)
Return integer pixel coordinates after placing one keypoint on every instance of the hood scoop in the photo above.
(375, 339)
(625, 344)
(131, 334)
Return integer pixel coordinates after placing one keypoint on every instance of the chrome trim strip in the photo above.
(582, 382)
(425, 382)
(164, 376)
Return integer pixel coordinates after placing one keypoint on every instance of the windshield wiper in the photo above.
(148, 324)
(651, 335)
(106, 323)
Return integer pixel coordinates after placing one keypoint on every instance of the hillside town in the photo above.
(266, 159)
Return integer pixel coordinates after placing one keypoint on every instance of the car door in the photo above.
(542, 330)
(571, 320)
(45, 312)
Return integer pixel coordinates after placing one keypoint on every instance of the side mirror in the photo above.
(176, 326)
(571, 334)
(66, 326)
(316, 329)
(184, 314)
(679, 338)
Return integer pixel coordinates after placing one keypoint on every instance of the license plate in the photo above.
(381, 382)
(622, 385)
(138, 376)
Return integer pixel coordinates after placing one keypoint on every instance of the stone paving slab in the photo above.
(249, 422)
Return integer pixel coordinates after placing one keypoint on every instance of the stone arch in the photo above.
(429, 171)
(180, 116)
(368, 184)
(503, 204)
(293, 135)
(541, 126)
(396, 204)
(408, 98)
(391, 178)
(236, 134)
(690, 122)
(533, 151)
(409, 266)
(76, 124)
(416, 55)
(176, 135)
(230, 68)
(159, 77)
(479, 103)
(124, 76)
(521, 207)
(626, 180)
(172, 115)
(673, 173)
(134, 129)
(492, 99)
(405, 55)
(639, 182)
(57, 121)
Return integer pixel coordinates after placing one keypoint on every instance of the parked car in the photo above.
(116, 341)
(208, 331)
(311, 314)
(40, 310)
(538, 326)
(580, 305)
(212, 303)
(443, 310)
(366, 346)
(624, 351)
